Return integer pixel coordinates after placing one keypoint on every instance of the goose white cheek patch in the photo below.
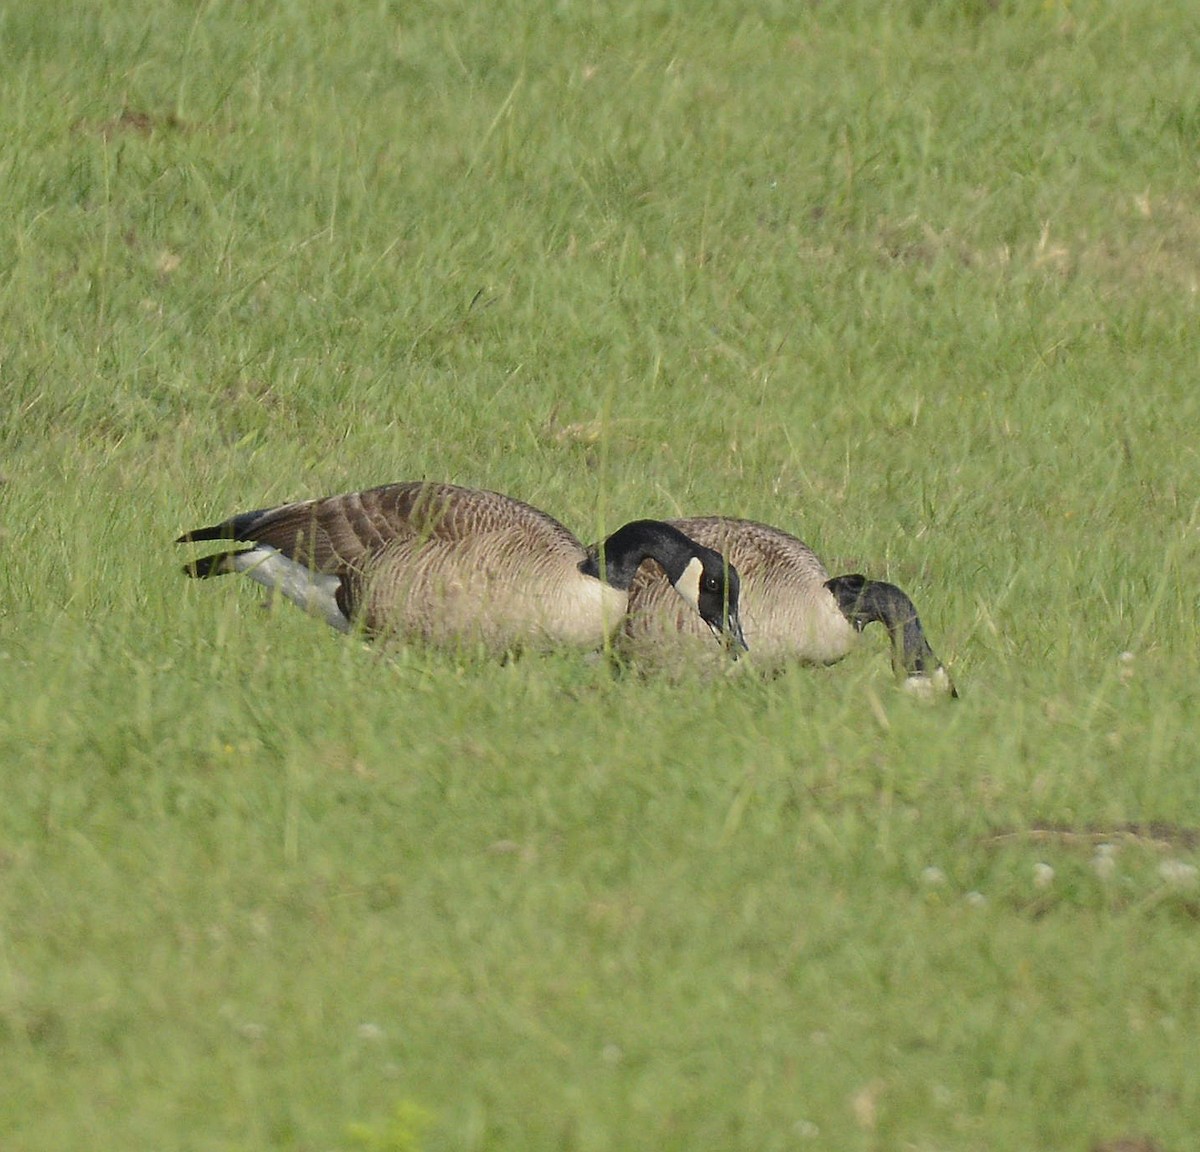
(314, 592)
(688, 584)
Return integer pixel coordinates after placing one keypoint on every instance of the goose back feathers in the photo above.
(447, 564)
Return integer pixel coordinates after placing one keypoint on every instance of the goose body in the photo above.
(791, 610)
(448, 565)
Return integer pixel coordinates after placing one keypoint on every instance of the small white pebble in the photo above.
(1178, 872)
(1043, 875)
(370, 1032)
(975, 899)
(1104, 862)
(933, 877)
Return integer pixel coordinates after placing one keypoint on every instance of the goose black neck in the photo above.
(864, 602)
(620, 556)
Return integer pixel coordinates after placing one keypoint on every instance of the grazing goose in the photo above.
(447, 564)
(791, 609)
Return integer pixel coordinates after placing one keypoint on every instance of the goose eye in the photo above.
(710, 583)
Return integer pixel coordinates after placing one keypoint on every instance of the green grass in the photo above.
(918, 281)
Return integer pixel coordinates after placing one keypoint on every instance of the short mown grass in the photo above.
(917, 281)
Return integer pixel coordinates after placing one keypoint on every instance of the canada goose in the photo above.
(447, 564)
(791, 608)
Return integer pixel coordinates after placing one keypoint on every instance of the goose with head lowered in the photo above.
(792, 610)
(450, 565)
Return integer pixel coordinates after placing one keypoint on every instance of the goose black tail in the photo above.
(240, 527)
(204, 567)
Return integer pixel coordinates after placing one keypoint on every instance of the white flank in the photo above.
(607, 605)
(688, 585)
(314, 592)
(584, 611)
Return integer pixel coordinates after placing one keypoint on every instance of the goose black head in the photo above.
(864, 601)
(710, 583)
(704, 578)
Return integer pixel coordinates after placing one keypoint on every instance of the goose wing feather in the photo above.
(342, 533)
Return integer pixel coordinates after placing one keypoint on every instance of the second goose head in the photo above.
(700, 575)
(864, 602)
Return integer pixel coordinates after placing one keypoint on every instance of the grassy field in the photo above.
(917, 281)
